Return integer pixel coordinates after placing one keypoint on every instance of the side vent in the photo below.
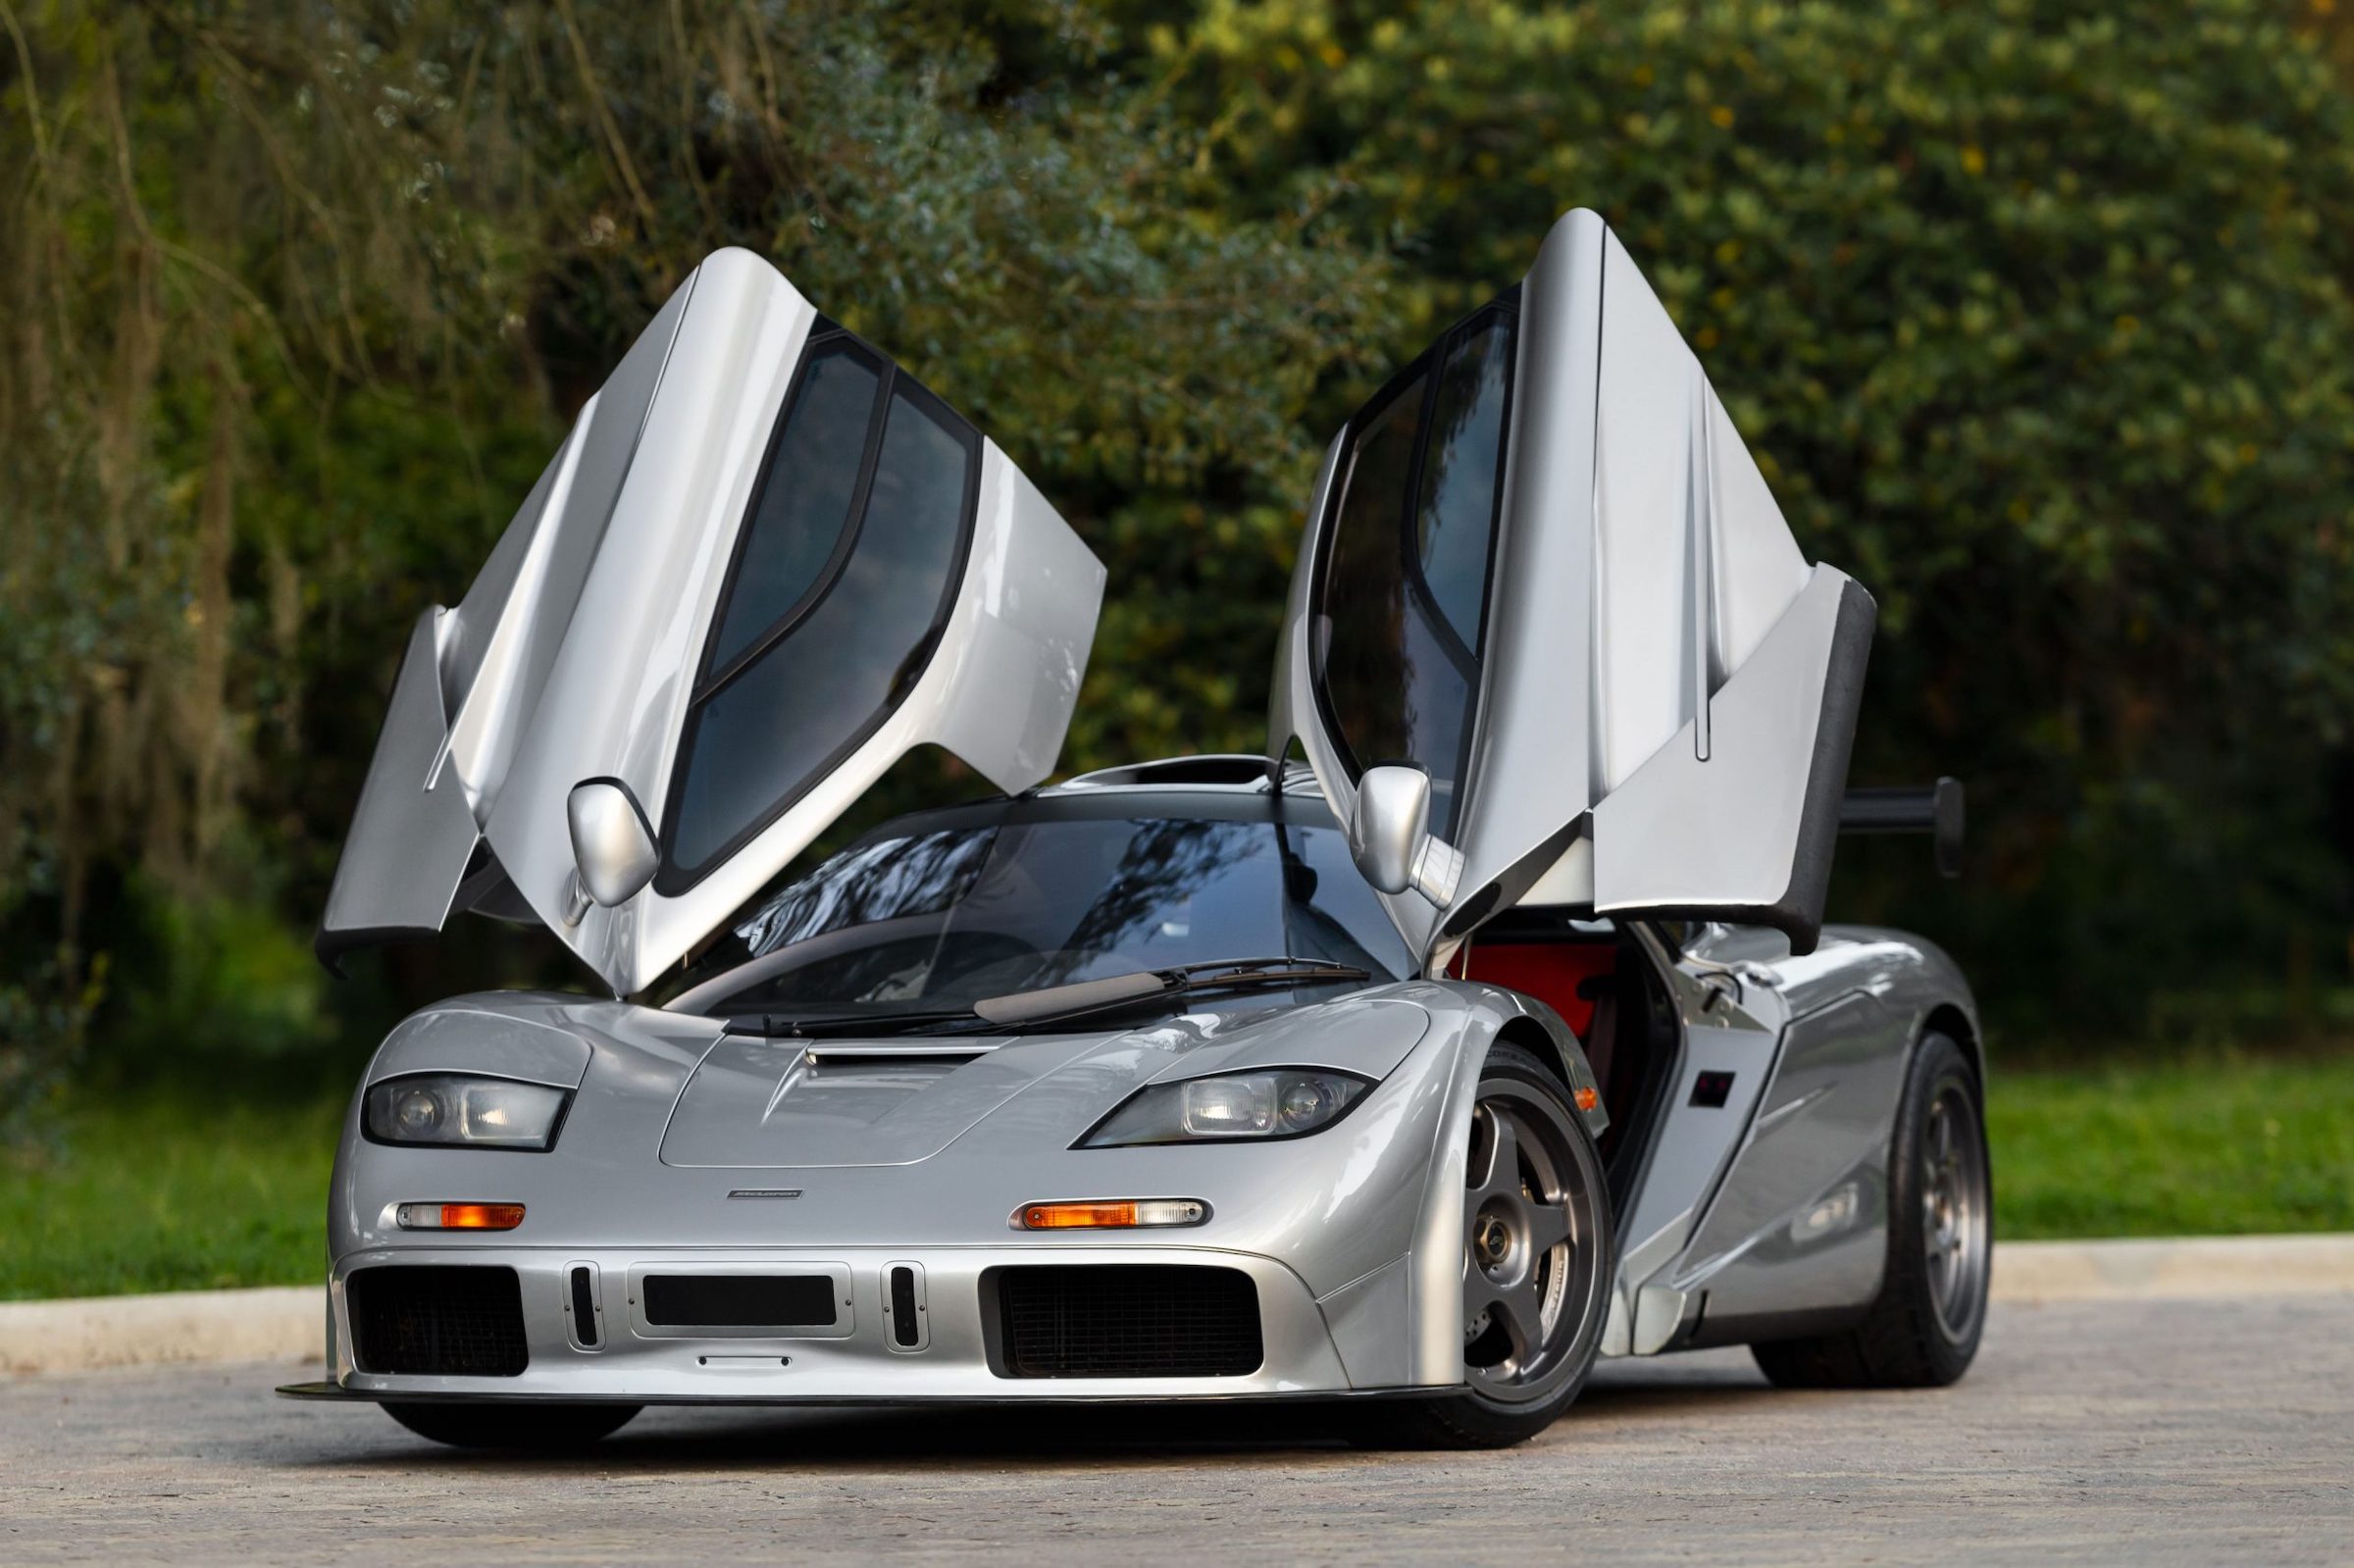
(905, 1318)
(583, 1315)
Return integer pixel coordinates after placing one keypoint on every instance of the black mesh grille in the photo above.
(1128, 1320)
(451, 1321)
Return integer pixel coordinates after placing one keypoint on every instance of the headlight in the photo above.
(471, 1112)
(1281, 1102)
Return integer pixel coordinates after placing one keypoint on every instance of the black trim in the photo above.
(627, 794)
(740, 1300)
(583, 1309)
(671, 878)
(1800, 911)
(905, 1330)
(1710, 1331)
(325, 1392)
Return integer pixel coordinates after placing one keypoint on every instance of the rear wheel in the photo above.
(1922, 1329)
(1537, 1259)
(537, 1428)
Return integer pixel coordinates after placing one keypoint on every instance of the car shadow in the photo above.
(754, 1437)
(981, 1437)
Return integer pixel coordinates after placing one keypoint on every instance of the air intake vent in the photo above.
(1128, 1320)
(740, 1300)
(903, 1306)
(586, 1330)
(458, 1321)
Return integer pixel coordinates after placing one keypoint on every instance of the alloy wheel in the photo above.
(1954, 1218)
(1532, 1275)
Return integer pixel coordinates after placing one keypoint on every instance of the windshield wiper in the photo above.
(1050, 1003)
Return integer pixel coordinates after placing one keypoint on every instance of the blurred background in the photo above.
(2039, 318)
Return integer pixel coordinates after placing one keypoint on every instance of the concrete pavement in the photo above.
(2138, 1430)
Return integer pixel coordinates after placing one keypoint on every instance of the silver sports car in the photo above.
(1485, 1024)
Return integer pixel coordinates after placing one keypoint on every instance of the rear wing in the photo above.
(1936, 810)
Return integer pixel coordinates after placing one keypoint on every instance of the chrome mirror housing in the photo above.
(614, 853)
(1391, 825)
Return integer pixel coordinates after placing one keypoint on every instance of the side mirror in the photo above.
(613, 849)
(1391, 826)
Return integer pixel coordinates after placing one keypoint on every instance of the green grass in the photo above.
(2215, 1144)
(172, 1194)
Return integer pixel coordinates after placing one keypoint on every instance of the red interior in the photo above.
(1550, 971)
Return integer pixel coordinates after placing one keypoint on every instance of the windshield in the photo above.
(939, 916)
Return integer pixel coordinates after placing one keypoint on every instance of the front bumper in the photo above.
(855, 1361)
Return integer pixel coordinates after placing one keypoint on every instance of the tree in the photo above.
(2037, 318)
(318, 285)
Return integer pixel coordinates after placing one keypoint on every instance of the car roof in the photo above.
(1244, 772)
(1212, 788)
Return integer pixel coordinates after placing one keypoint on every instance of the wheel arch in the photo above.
(1534, 1037)
(1954, 1022)
(1548, 1036)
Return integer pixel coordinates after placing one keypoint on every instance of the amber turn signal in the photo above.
(1114, 1215)
(460, 1216)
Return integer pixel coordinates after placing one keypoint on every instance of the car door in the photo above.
(1542, 568)
(764, 564)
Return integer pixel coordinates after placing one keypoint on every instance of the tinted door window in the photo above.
(1401, 597)
(805, 502)
(1462, 474)
(822, 667)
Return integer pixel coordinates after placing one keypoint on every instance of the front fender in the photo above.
(1404, 1322)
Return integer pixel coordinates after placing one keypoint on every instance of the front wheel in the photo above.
(534, 1427)
(1538, 1256)
(1923, 1329)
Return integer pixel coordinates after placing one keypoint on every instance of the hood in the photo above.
(804, 1104)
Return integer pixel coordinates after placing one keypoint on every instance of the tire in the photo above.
(531, 1427)
(1923, 1328)
(1539, 1253)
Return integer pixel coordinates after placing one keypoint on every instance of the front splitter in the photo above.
(336, 1393)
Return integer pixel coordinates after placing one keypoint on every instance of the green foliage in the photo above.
(317, 286)
(228, 984)
(43, 1024)
(2037, 317)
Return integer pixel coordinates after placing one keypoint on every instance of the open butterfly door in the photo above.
(1541, 569)
(765, 564)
